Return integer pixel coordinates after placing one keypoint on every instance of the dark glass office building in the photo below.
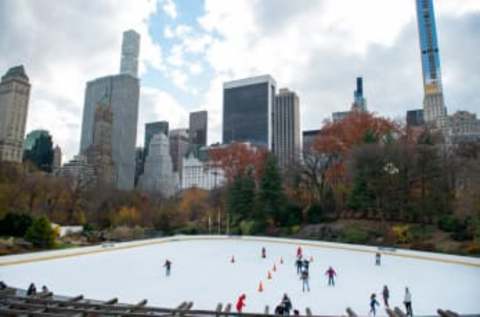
(415, 118)
(198, 127)
(247, 110)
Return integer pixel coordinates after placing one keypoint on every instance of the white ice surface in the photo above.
(202, 273)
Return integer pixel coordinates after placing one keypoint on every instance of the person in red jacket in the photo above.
(299, 252)
(331, 276)
(241, 303)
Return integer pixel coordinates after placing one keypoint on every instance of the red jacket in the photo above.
(330, 272)
(240, 303)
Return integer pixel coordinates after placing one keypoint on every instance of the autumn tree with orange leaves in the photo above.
(237, 159)
(325, 163)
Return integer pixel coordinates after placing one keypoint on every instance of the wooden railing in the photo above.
(15, 302)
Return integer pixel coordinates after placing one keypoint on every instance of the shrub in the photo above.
(473, 248)
(189, 228)
(126, 216)
(15, 225)
(354, 234)
(402, 233)
(315, 214)
(448, 223)
(40, 233)
(246, 227)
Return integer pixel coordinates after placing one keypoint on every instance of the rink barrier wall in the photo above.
(109, 247)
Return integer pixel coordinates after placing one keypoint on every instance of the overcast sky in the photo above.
(189, 47)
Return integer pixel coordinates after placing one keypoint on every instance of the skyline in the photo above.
(178, 43)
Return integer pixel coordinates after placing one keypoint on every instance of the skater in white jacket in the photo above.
(408, 302)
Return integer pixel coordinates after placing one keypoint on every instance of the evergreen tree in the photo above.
(241, 196)
(271, 197)
(41, 153)
(41, 233)
(360, 197)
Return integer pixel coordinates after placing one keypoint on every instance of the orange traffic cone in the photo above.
(260, 287)
(281, 260)
(269, 275)
(274, 268)
(232, 260)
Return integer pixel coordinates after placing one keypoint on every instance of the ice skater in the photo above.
(373, 304)
(386, 295)
(299, 264)
(331, 276)
(408, 302)
(299, 252)
(279, 310)
(32, 290)
(306, 264)
(305, 283)
(168, 267)
(287, 304)
(378, 258)
(241, 303)
(264, 253)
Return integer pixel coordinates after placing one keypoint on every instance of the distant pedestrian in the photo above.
(299, 252)
(386, 295)
(305, 283)
(373, 304)
(287, 305)
(241, 303)
(299, 264)
(264, 253)
(408, 302)
(331, 276)
(296, 312)
(378, 257)
(168, 267)
(32, 290)
(45, 289)
(306, 264)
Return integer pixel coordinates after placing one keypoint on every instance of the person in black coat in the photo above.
(287, 304)
(32, 290)
(299, 264)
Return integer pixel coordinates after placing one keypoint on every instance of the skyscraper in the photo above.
(433, 102)
(57, 158)
(32, 137)
(286, 127)
(14, 98)
(359, 101)
(247, 110)
(309, 138)
(198, 128)
(99, 153)
(415, 118)
(159, 175)
(151, 129)
(179, 145)
(121, 92)
(130, 53)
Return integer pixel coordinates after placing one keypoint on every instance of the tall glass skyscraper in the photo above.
(433, 103)
(247, 110)
(121, 92)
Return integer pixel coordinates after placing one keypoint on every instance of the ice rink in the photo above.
(203, 273)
